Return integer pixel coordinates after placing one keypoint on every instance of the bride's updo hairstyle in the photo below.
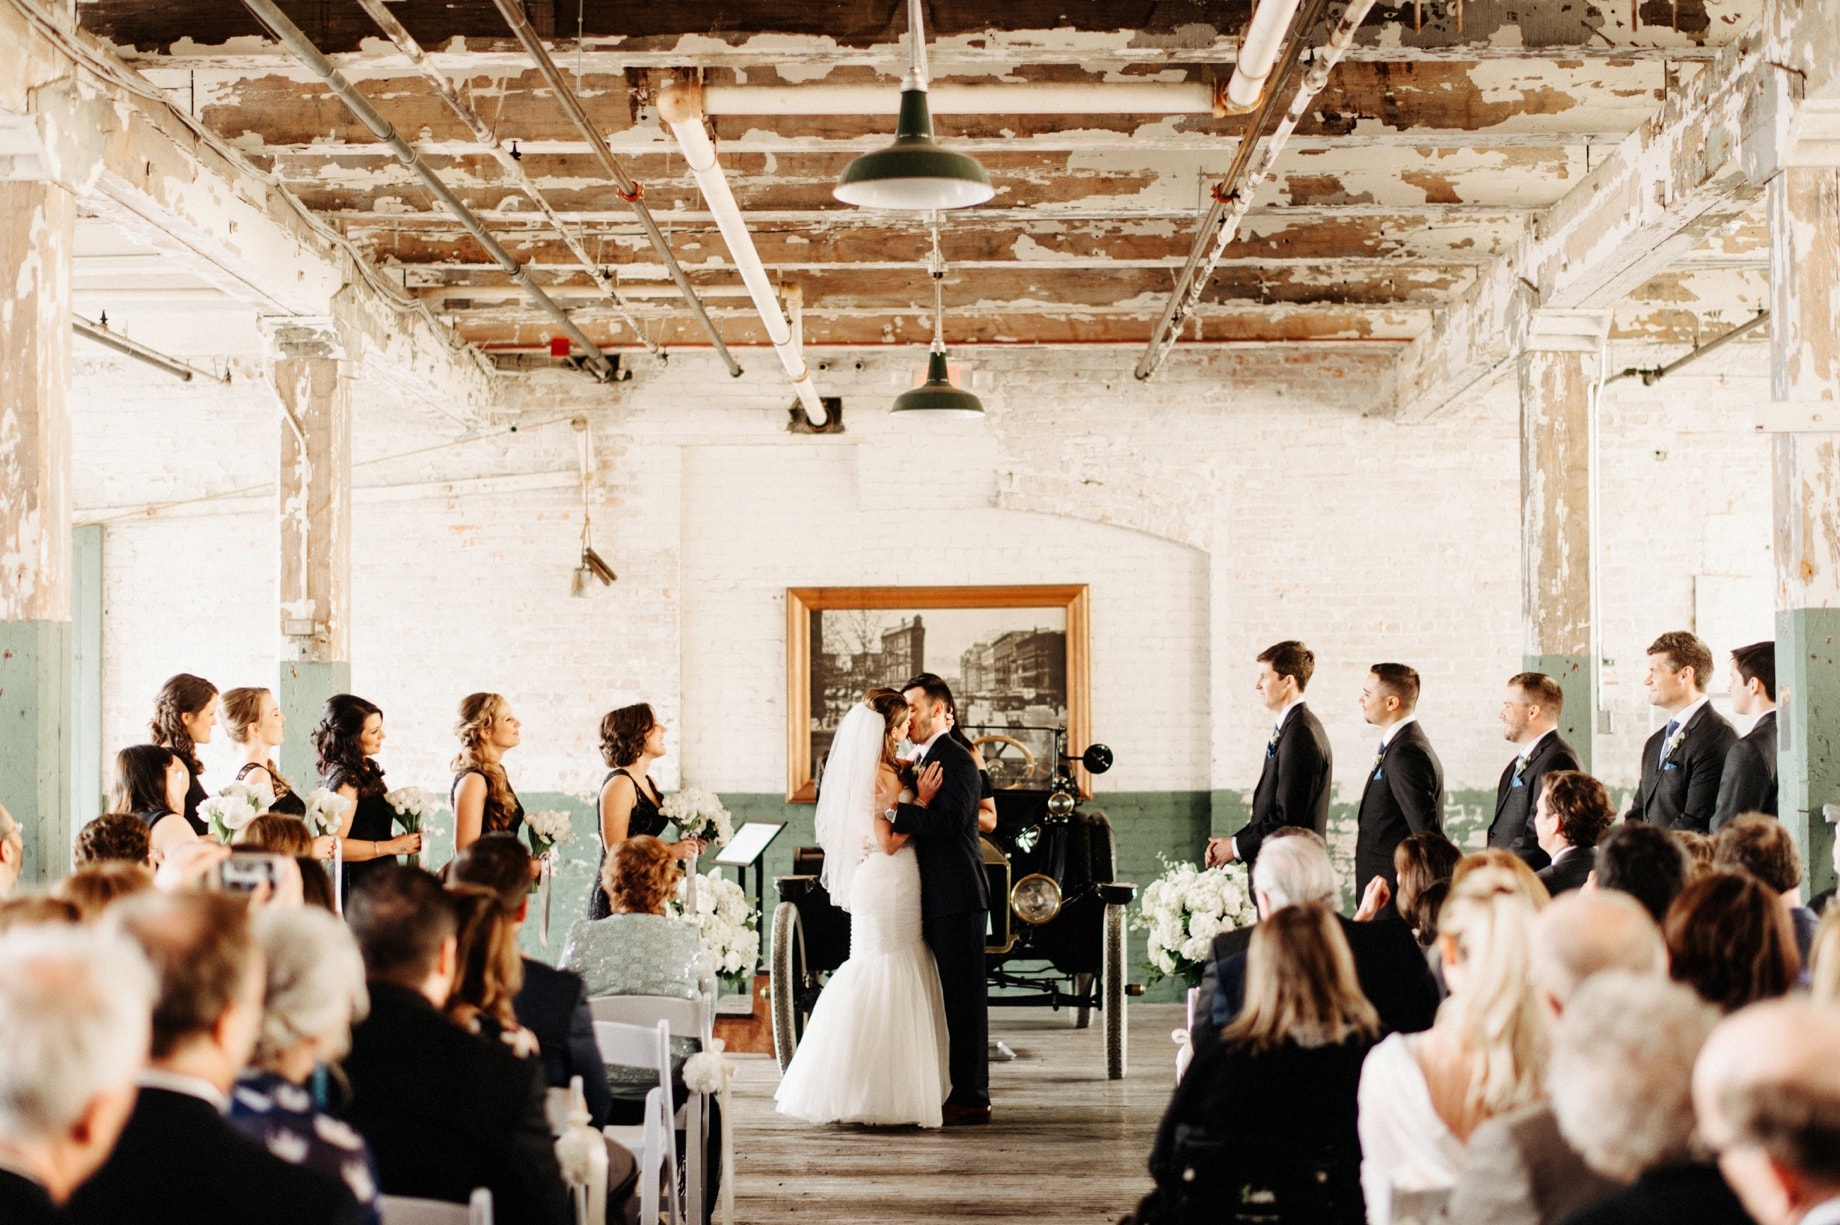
(889, 704)
(640, 875)
(623, 733)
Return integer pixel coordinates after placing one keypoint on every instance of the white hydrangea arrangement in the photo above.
(547, 829)
(698, 814)
(325, 810)
(234, 807)
(1184, 909)
(729, 923)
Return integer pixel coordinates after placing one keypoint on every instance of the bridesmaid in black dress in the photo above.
(150, 784)
(482, 798)
(183, 716)
(254, 720)
(349, 735)
(632, 739)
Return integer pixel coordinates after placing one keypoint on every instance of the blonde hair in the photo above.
(91, 889)
(1495, 1015)
(242, 710)
(1824, 959)
(478, 712)
(1301, 984)
(1519, 878)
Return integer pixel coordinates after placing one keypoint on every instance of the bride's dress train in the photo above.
(874, 1050)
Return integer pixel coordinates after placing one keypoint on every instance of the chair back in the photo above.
(407, 1210)
(686, 1018)
(636, 1046)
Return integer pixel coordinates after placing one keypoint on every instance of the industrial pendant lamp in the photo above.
(914, 174)
(937, 395)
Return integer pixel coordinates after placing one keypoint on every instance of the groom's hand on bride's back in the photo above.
(928, 784)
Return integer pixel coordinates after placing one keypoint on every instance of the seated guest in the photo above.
(92, 890)
(73, 1008)
(1570, 815)
(1730, 940)
(1699, 853)
(1644, 861)
(638, 949)
(1762, 846)
(1423, 861)
(1511, 872)
(1520, 1170)
(314, 987)
(112, 836)
(488, 973)
(178, 1160)
(12, 851)
(1767, 1093)
(1824, 960)
(1294, 870)
(1621, 1084)
(553, 1003)
(443, 1111)
(1422, 1095)
(277, 833)
(36, 910)
(1267, 1117)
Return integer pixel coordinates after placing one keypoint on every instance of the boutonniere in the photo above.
(1275, 733)
(1667, 750)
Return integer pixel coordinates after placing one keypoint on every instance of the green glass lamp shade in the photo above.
(913, 174)
(937, 395)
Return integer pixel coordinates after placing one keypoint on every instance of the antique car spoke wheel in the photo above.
(787, 984)
(1113, 984)
(1008, 759)
(1082, 1011)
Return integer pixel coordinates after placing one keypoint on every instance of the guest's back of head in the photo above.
(277, 833)
(1729, 940)
(488, 971)
(1699, 848)
(1419, 860)
(1505, 870)
(1644, 861)
(1484, 934)
(313, 984)
(110, 837)
(1824, 959)
(1301, 985)
(93, 889)
(1293, 868)
(37, 910)
(204, 958)
(400, 917)
(1762, 846)
(640, 875)
(1586, 933)
(497, 861)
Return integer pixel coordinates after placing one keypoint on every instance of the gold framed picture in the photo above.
(1015, 657)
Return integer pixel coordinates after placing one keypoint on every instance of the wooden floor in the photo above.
(1065, 1146)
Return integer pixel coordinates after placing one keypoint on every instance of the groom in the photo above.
(954, 894)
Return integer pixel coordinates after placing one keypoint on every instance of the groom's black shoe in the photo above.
(965, 1116)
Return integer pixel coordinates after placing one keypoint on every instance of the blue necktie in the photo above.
(1667, 736)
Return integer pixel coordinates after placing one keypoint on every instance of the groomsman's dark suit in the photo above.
(1683, 792)
(1293, 785)
(1395, 977)
(24, 1202)
(1512, 828)
(1404, 794)
(1749, 781)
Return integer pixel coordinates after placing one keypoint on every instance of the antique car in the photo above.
(1056, 941)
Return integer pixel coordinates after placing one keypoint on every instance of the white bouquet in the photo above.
(1185, 908)
(413, 805)
(234, 807)
(547, 829)
(325, 810)
(729, 923)
(698, 814)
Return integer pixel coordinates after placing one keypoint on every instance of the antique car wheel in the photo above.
(1009, 760)
(1082, 1011)
(1113, 984)
(787, 982)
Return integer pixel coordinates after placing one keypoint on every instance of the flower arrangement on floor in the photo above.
(729, 923)
(234, 807)
(325, 810)
(698, 814)
(1184, 909)
(547, 829)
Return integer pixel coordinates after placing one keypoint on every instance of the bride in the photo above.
(874, 1050)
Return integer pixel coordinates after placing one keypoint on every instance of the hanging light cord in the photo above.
(916, 49)
(936, 266)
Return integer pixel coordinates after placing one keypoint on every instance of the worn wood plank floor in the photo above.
(1065, 1146)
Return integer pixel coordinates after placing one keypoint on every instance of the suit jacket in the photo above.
(1512, 827)
(24, 1202)
(1293, 783)
(1404, 794)
(1570, 872)
(945, 833)
(1394, 976)
(446, 1112)
(1748, 783)
(1521, 1171)
(1690, 1194)
(179, 1162)
(554, 1006)
(1683, 792)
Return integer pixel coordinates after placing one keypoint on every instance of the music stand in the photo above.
(747, 849)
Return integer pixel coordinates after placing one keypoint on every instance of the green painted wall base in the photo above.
(35, 732)
(302, 692)
(1577, 676)
(1808, 732)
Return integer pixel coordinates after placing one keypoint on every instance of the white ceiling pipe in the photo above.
(1259, 51)
(1100, 98)
(686, 124)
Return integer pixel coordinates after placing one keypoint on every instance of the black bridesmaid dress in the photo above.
(374, 821)
(287, 802)
(195, 794)
(645, 819)
(514, 824)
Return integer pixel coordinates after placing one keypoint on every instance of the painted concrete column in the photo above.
(1559, 368)
(37, 225)
(1804, 209)
(306, 364)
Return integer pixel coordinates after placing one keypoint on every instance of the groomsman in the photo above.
(1530, 721)
(1749, 781)
(1405, 783)
(1682, 763)
(1294, 781)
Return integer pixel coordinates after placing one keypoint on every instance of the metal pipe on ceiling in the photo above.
(1652, 376)
(1252, 161)
(99, 332)
(1032, 98)
(677, 108)
(628, 190)
(291, 36)
(508, 163)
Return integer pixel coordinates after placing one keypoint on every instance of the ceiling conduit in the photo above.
(1031, 98)
(294, 40)
(483, 134)
(631, 192)
(681, 109)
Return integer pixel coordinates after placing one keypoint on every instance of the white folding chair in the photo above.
(652, 1143)
(687, 1019)
(407, 1210)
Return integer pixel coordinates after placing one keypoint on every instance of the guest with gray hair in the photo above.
(1621, 1079)
(1520, 1169)
(314, 990)
(1767, 1093)
(74, 1007)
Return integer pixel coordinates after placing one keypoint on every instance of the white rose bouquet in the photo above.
(729, 923)
(325, 809)
(413, 805)
(547, 829)
(1185, 908)
(234, 807)
(698, 814)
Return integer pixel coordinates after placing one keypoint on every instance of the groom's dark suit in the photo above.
(954, 908)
